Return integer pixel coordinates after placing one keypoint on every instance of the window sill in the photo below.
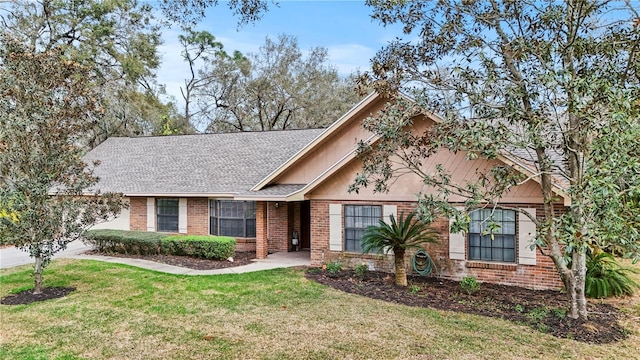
(490, 265)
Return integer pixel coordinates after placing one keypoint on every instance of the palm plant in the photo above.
(398, 236)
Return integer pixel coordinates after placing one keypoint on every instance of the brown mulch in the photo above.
(544, 310)
(28, 297)
(240, 258)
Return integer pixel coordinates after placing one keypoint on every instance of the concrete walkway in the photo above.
(11, 257)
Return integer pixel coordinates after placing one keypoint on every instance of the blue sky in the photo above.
(345, 28)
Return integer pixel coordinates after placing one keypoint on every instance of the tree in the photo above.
(116, 39)
(542, 80)
(191, 11)
(276, 89)
(398, 236)
(197, 47)
(47, 105)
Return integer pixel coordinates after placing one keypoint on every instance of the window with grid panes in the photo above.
(356, 219)
(232, 218)
(499, 246)
(167, 215)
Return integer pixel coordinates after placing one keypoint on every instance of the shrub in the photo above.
(205, 247)
(153, 243)
(606, 277)
(470, 284)
(361, 271)
(125, 242)
(333, 268)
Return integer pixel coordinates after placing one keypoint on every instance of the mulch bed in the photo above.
(240, 258)
(28, 297)
(542, 310)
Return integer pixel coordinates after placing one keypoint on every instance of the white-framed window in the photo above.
(232, 218)
(498, 245)
(356, 219)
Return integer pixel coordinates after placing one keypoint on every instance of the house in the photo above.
(269, 188)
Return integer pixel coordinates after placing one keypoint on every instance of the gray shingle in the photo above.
(194, 164)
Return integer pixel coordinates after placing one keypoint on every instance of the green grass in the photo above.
(124, 312)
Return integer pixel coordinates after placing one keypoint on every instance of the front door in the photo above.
(305, 225)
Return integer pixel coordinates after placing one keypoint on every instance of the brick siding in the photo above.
(197, 219)
(543, 275)
(138, 213)
(198, 216)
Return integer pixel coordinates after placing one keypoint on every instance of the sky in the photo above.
(344, 27)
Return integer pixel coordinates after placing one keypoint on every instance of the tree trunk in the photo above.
(401, 271)
(579, 300)
(37, 289)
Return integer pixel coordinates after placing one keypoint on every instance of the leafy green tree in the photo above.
(398, 236)
(116, 39)
(540, 80)
(47, 196)
(276, 89)
(188, 12)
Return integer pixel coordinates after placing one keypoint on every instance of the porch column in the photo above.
(261, 230)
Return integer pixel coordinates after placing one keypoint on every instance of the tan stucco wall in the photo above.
(122, 222)
(330, 150)
(407, 186)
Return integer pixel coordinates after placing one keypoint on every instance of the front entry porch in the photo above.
(283, 227)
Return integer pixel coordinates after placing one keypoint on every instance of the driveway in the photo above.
(11, 257)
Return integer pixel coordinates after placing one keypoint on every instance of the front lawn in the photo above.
(123, 312)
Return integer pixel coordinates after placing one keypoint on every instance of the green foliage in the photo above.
(206, 247)
(469, 284)
(125, 242)
(398, 236)
(333, 268)
(405, 233)
(294, 89)
(606, 277)
(149, 243)
(361, 271)
(516, 79)
(414, 289)
(48, 105)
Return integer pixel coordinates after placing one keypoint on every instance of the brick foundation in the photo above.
(543, 275)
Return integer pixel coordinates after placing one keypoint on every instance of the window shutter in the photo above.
(456, 243)
(526, 237)
(182, 215)
(151, 214)
(335, 227)
(387, 211)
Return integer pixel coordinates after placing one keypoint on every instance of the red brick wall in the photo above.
(197, 219)
(540, 276)
(261, 229)
(198, 216)
(278, 227)
(138, 213)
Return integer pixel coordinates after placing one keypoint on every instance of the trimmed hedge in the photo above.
(153, 243)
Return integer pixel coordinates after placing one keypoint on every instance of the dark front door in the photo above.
(305, 225)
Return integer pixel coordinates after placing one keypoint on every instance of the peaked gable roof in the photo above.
(194, 165)
(511, 158)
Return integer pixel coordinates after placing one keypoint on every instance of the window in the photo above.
(502, 247)
(232, 218)
(167, 214)
(356, 219)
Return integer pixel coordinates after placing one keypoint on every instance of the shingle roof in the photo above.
(194, 164)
